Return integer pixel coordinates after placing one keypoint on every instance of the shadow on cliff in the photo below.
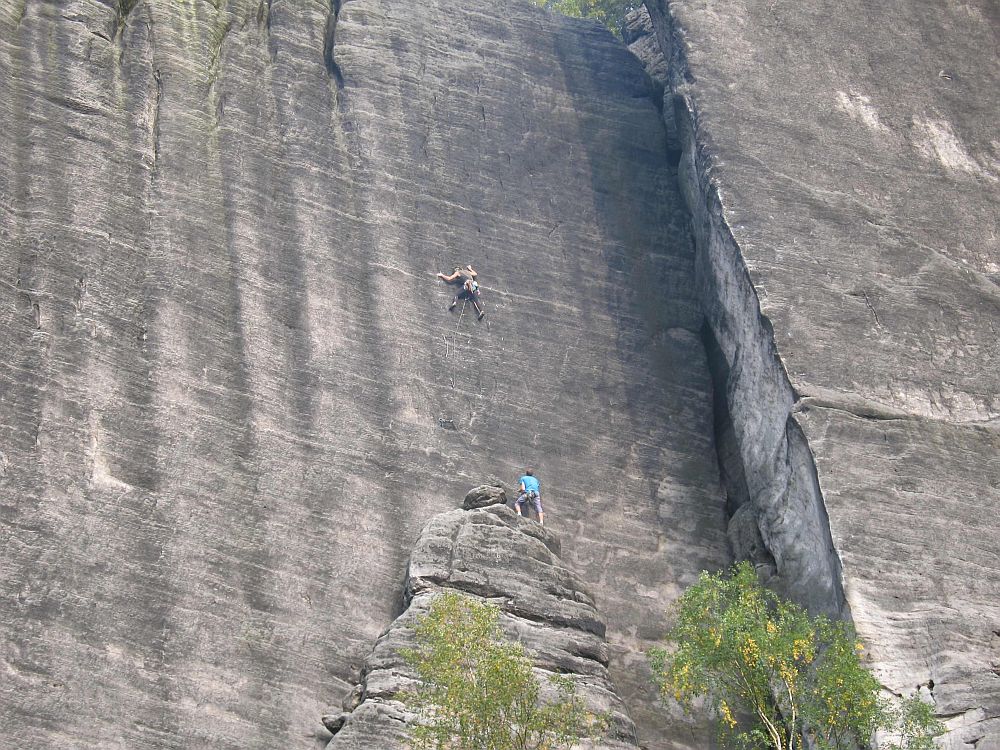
(647, 249)
(648, 255)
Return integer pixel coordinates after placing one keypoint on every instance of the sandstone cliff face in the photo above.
(230, 394)
(491, 554)
(841, 164)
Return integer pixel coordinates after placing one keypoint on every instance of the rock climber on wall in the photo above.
(470, 288)
(530, 491)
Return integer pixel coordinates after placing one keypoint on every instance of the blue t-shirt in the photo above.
(530, 484)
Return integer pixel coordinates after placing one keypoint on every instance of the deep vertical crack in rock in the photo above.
(329, 43)
(155, 124)
(122, 10)
(264, 14)
(754, 396)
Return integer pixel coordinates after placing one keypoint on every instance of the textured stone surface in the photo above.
(231, 395)
(921, 554)
(841, 164)
(491, 554)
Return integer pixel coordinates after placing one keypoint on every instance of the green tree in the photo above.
(914, 726)
(478, 691)
(773, 673)
(609, 12)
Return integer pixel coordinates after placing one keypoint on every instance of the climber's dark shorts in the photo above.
(465, 294)
(525, 497)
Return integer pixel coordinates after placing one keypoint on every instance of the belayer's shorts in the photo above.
(534, 497)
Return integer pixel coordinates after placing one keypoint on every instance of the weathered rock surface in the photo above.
(842, 168)
(230, 395)
(491, 554)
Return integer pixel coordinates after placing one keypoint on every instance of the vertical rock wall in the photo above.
(841, 165)
(230, 393)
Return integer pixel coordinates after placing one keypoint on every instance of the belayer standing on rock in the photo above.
(470, 288)
(531, 491)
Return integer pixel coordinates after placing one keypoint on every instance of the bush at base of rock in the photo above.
(478, 689)
(777, 678)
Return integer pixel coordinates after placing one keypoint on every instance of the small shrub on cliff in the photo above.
(914, 726)
(478, 690)
(611, 13)
(776, 678)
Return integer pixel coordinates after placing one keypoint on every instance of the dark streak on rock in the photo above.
(264, 14)
(76, 105)
(216, 54)
(155, 130)
(329, 42)
(122, 10)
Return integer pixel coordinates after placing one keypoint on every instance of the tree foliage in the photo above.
(772, 674)
(914, 726)
(609, 12)
(478, 690)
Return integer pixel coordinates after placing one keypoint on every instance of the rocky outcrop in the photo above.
(490, 553)
(841, 168)
(230, 392)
